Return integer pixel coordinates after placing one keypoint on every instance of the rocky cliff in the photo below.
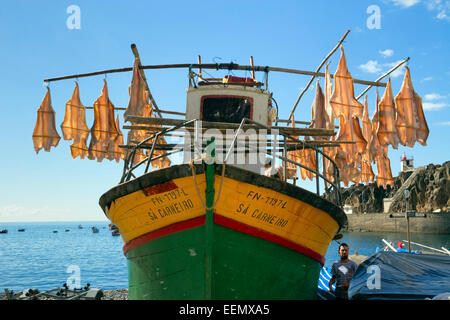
(429, 189)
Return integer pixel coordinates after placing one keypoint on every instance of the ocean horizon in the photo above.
(40, 259)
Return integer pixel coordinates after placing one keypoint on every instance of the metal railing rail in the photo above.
(284, 158)
(335, 185)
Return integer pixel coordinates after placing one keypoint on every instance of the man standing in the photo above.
(341, 273)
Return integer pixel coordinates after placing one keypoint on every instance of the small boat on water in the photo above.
(55, 231)
(115, 233)
(95, 230)
(80, 226)
(67, 230)
(21, 230)
(3, 231)
(112, 226)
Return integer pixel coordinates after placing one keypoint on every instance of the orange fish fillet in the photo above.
(318, 113)
(384, 174)
(74, 125)
(117, 153)
(305, 157)
(44, 133)
(139, 105)
(411, 124)
(387, 133)
(103, 131)
(328, 91)
(375, 146)
(346, 107)
(138, 95)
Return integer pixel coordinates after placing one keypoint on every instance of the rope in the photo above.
(191, 164)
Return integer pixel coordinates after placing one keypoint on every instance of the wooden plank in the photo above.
(298, 122)
(222, 125)
(162, 111)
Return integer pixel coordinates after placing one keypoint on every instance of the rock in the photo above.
(429, 191)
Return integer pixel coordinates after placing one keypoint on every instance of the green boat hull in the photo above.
(242, 267)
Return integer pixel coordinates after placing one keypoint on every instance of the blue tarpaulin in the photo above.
(400, 276)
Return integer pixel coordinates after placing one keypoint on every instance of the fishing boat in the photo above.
(3, 231)
(80, 226)
(21, 230)
(210, 228)
(228, 219)
(95, 229)
(115, 233)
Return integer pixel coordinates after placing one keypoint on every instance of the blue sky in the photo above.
(37, 44)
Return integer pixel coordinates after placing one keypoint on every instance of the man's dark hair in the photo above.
(342, 245)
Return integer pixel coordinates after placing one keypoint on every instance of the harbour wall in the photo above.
(434, 223)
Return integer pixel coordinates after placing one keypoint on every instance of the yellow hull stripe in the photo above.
(279, 214)
(141, 212)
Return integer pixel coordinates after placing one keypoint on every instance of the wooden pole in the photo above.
(409, 237)
(431, 248)
(221, 66)
(384, 75)
(252, 65)
(318, 69)
(200, 75)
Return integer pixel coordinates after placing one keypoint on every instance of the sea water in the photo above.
(40, 259)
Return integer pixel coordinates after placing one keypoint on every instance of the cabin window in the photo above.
(229, 109)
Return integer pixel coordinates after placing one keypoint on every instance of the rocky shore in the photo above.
(429, 190)
(118, 294)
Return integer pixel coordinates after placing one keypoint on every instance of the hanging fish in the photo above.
(386, 132)
(367, 174)
(346, 107)
(138, 97)
(384, 174)
(44, 133)
(103, 131)
(410, 123)
(117, 153)
(74, 125)
(328, 91)
(302, 156)
(318, 112)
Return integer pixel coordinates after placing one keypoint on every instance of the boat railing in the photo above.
(299, 144)
(332, 187)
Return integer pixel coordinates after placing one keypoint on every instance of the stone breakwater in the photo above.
(434, 223)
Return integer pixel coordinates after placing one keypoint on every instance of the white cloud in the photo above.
(386, 53)
(405, 3)
(371, 66)
(445, 123)
(442, 7)
(396, 73)
(426, 79)
(433, 96)
(431, 106)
